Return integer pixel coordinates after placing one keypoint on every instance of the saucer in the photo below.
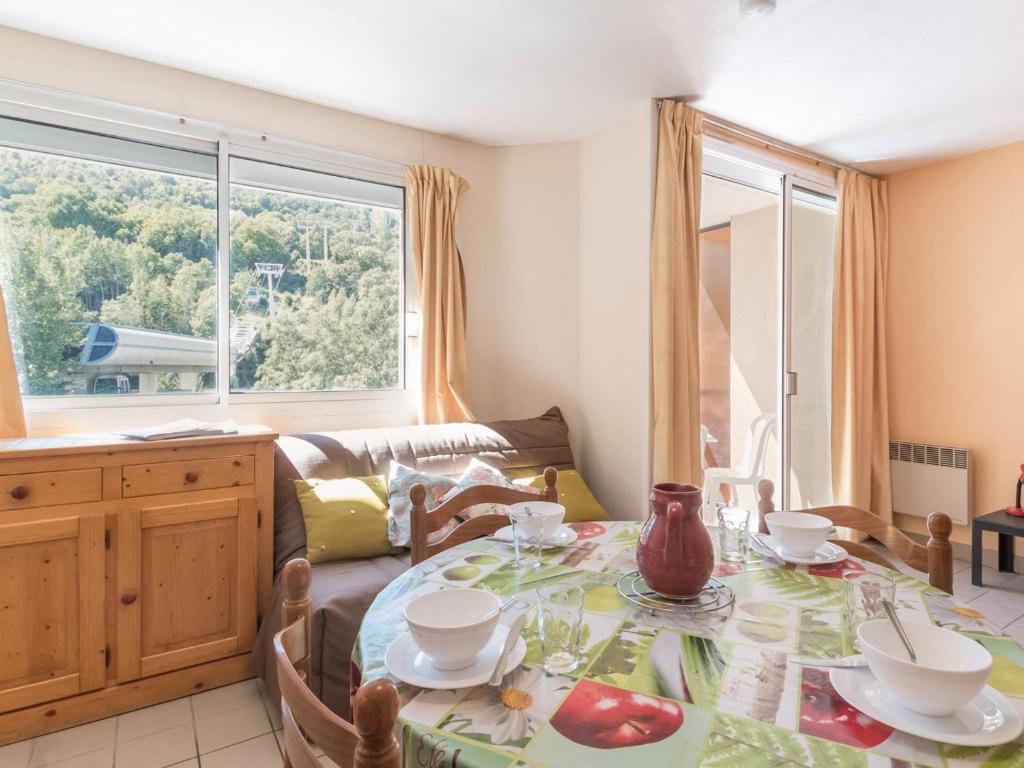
(563, 536)
(409, 664)
(987, 721)
(825, 554)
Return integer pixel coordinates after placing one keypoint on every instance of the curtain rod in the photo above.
(771, 143)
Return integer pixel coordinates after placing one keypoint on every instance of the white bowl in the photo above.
(798, 533)
(951, 668)
(452, 626)
(552, 514)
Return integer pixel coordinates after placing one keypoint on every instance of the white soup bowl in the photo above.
(798, 533)
(951, 668)
(551, 513)
(451, 626)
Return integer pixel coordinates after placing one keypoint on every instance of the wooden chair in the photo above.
(423, 523)
(935, 557)
(371, 742)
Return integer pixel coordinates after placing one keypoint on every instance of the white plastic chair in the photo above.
(749, 471)
(704, 433)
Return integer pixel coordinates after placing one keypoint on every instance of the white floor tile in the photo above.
(225, 699)
(1005, 597)
(193, 763)
(261, 752)
(160, 717)
(16, 755)
(273, 709)
(1016, 631)
(990, 577)
(100, 758)
(157, 750)
(218, 731)
(961, 565)
(54, 747)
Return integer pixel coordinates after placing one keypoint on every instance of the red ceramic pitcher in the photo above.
(675, 554)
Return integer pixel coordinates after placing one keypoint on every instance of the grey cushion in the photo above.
(517, 447)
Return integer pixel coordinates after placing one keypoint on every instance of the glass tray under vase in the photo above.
(715, 596)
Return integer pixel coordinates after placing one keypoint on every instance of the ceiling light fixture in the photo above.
(760, 9)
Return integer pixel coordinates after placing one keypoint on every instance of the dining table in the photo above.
(667, 688)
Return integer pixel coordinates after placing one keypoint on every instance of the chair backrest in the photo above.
(704, 432)
(371, 742)
(755, 449)
(935, 557)
(423, 523)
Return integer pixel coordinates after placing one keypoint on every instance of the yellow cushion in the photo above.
(573, 494)
(345, 519)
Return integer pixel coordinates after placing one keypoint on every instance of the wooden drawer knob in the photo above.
(128, 598)
(191, 477)
(19, 492)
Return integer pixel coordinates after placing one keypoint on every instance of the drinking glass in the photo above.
(733, 529)
(864, 593)
(527, 535)
(561, 617)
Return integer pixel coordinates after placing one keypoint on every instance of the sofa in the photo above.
(341, 592)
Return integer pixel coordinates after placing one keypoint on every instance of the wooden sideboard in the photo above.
(130, 572)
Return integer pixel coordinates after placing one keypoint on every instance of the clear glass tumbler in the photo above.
(527, 535)
(733, 530)
(560, 609)
(864, 593)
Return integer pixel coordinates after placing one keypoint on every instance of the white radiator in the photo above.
(931, 478)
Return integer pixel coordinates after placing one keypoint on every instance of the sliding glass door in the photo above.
(767, 240)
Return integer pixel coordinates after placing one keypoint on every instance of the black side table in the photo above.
(1007, 526)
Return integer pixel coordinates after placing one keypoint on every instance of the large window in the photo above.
(109, 262)
(315, 274)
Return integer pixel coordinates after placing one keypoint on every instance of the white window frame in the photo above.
(77, 112)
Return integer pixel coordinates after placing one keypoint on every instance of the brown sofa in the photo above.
(342, 591)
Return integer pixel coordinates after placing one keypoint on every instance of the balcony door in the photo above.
(767, 243)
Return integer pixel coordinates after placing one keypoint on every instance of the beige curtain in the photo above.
(12, 417)
(860, 408)
(433, 196)
(675, 253)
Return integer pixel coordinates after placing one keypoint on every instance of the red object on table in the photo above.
(1017, 511)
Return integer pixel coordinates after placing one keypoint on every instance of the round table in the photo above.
(710, 689)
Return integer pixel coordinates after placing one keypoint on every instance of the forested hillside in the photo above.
(84, 242)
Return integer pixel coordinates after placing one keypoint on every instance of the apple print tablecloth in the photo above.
(715, 689)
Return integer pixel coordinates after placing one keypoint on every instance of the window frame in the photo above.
(76, 112)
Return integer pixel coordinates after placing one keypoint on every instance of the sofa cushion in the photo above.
(340, 594)
(518, 448)
(400, 482)
(345, 519)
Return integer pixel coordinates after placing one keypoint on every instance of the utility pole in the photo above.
(307, 226)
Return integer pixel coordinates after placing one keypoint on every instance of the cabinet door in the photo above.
(186, 578)
(52, 641)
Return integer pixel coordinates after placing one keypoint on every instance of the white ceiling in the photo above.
(883, 83)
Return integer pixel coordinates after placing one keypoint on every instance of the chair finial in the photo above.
(418, 494)
(375, 711)
(298, 575)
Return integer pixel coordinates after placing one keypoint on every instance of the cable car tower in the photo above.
(271, 272)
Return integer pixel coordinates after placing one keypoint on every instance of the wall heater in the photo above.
(931, 478)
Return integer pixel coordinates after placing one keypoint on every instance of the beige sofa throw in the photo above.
(860, 404)
(12, 417)
(675, 287)
(433, 196)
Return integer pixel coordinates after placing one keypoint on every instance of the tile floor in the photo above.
(231, 727)
(237, 726)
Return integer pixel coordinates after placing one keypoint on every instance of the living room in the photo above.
(697, 280)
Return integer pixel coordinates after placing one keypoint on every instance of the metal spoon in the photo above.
(890, 611)
(510, 640)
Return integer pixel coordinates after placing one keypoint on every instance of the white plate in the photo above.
(987, 721)
(825, 554)
(409, 664)
(563, 536)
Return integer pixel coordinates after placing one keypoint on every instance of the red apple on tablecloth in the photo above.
(825, 714)
(605, 717)
(588, 530)
(834, 570)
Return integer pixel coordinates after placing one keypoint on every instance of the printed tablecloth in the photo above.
(713, 689)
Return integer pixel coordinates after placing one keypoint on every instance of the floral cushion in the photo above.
(480, 473)
(400, 482)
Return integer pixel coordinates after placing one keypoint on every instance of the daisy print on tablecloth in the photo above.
(510, 714)
(947, 613)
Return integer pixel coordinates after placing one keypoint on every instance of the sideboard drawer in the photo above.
(44, 489)
(177, 476)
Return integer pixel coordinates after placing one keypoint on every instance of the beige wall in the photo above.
(614, 318)
(519, 231)
(956, 277)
